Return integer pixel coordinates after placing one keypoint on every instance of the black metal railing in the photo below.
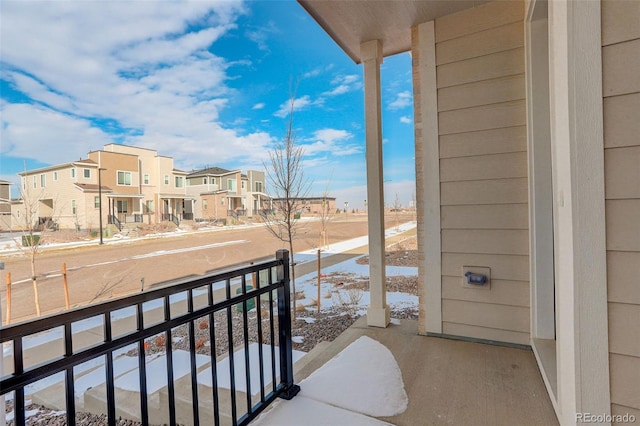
(213, 320)
(113, 220)
(169, 217)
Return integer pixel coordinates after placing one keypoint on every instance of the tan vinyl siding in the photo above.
(483, 171)
(621, 89)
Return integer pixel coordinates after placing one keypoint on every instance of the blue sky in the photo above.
(204, 82)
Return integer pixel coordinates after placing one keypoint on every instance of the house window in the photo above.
(35, 182)
(43, 181)
(124, 178)
(149, 205)
(205, 205)
(87, 173)
(55, 176)
(96, 202)
(258, 186)
(243, 186)
(74, 209)
(231, 185)
(122, 206)
(166, 179)
(24, 183)
(213, 181)
(204, 180)
(179, 181)
(73, 172)
(145, 179)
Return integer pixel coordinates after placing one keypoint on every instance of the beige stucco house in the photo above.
(219, 193)
(5, 205)
(527, 161)
(138, 185)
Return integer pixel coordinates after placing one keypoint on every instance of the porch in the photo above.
(447, 381)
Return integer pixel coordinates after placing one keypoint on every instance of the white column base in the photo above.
(378, 317)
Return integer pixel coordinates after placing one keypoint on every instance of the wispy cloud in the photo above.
(298, 104)
(259, 105)
(405, 119)
(260, 35)
(402, 100)
(147, 67)
(343, 84)
(334, 141)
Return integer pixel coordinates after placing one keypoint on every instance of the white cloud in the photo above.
(139, 67)
(405, 119)
(52, 137)
(298, 104)
(259, 105)
(344, 84)
(402, 100)
(333, 141)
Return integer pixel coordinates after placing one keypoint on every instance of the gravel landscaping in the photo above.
(309, 329)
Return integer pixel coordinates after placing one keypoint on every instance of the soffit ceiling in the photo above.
(352, 22)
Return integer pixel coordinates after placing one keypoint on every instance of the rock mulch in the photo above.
(310, 328)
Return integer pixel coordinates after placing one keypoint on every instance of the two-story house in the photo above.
(66, 194)
(220, 193)
(137, 185)
(5, 205)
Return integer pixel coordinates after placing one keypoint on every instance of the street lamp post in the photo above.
(100, 201)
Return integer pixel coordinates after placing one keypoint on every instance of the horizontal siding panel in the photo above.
(624, 335)
(503, 267)
(622, 120)
(513, 293)
(622, 172)
(497, 39)
(484, 92)
(625, 380)
(473, 20)
(621, 410)
(620, 65)
(506, 114)
(485, 241)
(486, 333)
(623, 270)
(620, 21)
(496, 65)
(502, 317)
(499, 191)
(623, 225)
(485, 167)
(493, 141)
(490, 216)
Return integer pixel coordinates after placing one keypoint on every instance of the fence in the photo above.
(240, 343)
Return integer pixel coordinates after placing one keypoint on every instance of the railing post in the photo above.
(284, 324)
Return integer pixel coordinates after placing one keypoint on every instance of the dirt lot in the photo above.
(117, 268)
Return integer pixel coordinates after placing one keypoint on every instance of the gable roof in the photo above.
(215, 171)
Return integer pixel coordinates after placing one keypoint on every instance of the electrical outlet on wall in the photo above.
(473, 277)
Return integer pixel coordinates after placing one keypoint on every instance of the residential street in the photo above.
(116, 268)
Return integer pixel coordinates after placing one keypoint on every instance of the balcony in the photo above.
(196, 352)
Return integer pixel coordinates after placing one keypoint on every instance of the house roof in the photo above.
(81, 162)
(211, 171)
(89, 187)
(350, 23)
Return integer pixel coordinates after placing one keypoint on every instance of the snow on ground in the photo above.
(371, 388)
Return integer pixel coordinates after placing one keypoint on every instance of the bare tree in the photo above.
(397, 206)
(326, 214)
(287, 187)
(34, 228)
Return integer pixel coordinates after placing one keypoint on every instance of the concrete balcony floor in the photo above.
(450, 381)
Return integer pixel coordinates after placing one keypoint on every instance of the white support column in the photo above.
(371, 56)
(428, 168)
(578, 153)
